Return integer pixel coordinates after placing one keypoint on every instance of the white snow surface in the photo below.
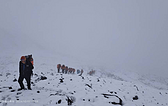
(84, 91)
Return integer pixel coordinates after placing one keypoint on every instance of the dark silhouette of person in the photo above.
(25, 72)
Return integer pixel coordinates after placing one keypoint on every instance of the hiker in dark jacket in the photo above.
(66, 69)
(25, 71)
(58, 67)
(63, 68)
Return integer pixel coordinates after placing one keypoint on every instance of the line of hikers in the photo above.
(67, 70)
(26, 67)
(91, 72)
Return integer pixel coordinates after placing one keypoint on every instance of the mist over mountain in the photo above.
(115, 35)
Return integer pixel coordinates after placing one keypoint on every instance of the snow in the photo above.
(102, 88)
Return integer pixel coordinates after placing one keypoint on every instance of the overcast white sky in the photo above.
(120, 34)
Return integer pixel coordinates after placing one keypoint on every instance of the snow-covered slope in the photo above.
(103, 88)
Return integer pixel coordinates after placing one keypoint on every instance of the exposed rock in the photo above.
(10, 87)
(61, 80)
(18, 93)
(59, 101)
(43, 78)
(70, 100)
(12, 90)
(7, 74)
(90, 86)
(15, 80)
(98, 80)
(115, 103)
(135, 98)
(136, 87)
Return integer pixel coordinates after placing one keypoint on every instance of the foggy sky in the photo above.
(118, 34)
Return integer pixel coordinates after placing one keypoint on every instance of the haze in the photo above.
(116, 34)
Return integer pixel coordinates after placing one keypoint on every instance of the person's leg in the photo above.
(58, 70)
(28, 80)
(20, 81)
(62, 70)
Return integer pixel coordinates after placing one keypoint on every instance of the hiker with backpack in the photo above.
(78, 71)
(66, 69)
(63, 68)
(73, 71)
(58, 67)
(25, 71)
(81, 72)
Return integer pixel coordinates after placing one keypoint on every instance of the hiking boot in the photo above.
(29, 89)
(22, 89)
(19, 89)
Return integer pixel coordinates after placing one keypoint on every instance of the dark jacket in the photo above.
(27, 71)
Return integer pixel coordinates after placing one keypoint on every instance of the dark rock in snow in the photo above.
(98, 80)
(136, 87)
(7, 74)
(70, 79)
(90, 86)
(42, 73)
(113, 92)
(15, 80)
(61, 80)
(40, 78)
(0, 74)
(10, 87)
(120, 100)
(59, 101)
(35, 74)
(70, 100)
(18, 93)
(43, 78)
(12, 90)
(52, 74)
(135, 98)
(38, 91)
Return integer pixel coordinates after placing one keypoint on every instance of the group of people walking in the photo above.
(26, 67)
(67, 70)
